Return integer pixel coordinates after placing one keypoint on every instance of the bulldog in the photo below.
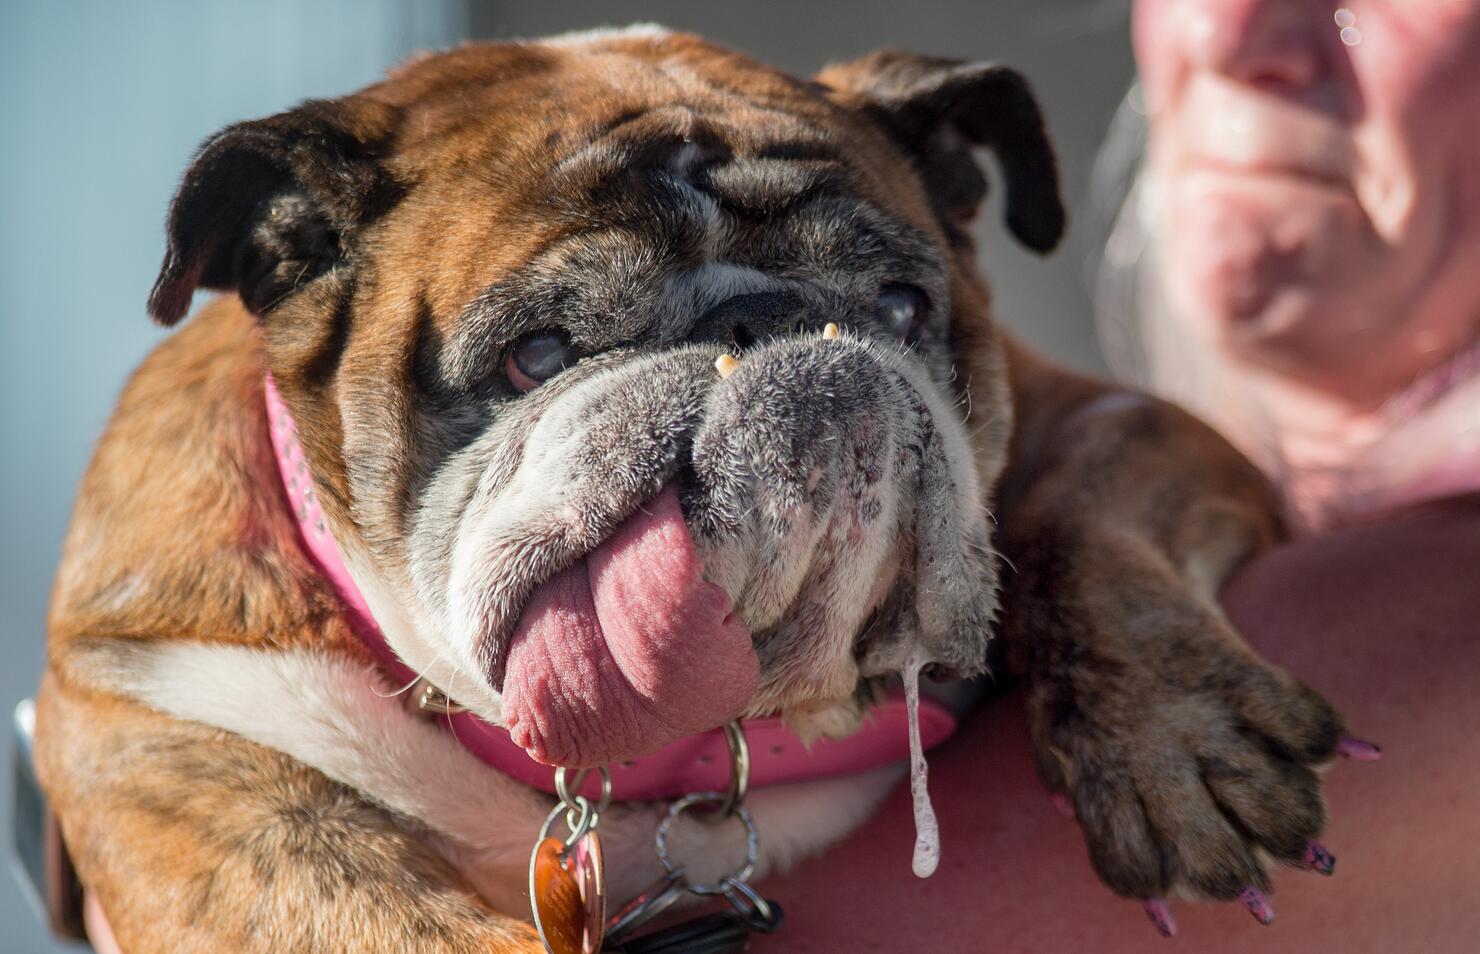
(640, 388)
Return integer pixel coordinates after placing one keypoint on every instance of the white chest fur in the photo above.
(342, 718)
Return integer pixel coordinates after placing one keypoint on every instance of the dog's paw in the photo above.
(1189, 762)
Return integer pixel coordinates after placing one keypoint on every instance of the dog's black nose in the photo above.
(745, 320)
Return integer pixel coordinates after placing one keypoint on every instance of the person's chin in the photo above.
(1280, 326)
(1242, 304)
(1249, 252)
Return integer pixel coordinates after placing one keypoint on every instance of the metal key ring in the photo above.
(752, 841)
(580, 824)
(759, 913)
(563, 789)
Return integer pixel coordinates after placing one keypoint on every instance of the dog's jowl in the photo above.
(485, 299)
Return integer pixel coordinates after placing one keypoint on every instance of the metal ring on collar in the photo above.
(739, 769)
(739, 775)
(752, 841)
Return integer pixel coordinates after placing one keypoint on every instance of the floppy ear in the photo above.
(938, 110)
(268, 205)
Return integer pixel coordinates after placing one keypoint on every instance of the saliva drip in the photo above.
(927, 832)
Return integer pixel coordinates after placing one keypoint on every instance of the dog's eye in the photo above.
(538, 357)
(902, 309)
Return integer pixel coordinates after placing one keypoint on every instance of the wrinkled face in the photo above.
(505, 375)
(1322, 174)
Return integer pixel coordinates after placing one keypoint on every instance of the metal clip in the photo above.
(433, 701)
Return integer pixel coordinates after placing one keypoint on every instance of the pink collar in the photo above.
(696, 763)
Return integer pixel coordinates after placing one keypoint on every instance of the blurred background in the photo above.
(105, 102)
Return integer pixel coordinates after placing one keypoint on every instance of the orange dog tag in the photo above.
(569, 895)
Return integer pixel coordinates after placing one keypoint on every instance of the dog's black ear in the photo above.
(938, 110)
(268, 205)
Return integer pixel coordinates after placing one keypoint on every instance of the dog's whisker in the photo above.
(1003, 557)
(397, 692)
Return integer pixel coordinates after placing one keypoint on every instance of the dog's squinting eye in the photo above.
(538, 357)
(902, 309)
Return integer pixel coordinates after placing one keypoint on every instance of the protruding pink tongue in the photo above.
(627, 650)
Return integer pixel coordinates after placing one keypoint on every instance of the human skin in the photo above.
(1322, 179)
(1370, 616)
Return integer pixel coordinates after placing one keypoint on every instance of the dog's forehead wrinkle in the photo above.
(614, 281)
(760, 187)
(613, 146)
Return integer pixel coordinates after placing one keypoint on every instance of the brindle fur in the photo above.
(1184, 753)
(1188, 759)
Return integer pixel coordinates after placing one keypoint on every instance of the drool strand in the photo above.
(927, 832)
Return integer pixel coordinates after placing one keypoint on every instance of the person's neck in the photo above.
(1339, 456)
(1313, 429)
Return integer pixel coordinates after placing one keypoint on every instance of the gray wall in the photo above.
(106, 101)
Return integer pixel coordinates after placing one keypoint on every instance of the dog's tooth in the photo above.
(726, 364)
(830, 330)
